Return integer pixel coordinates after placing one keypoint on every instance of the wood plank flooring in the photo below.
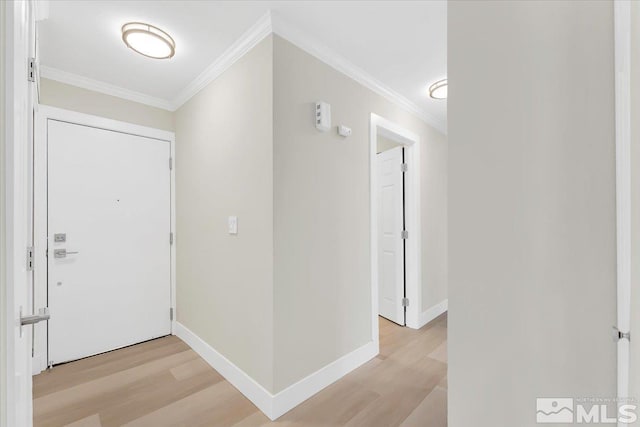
(163, 383)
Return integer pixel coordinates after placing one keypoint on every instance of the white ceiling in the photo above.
(400, 44)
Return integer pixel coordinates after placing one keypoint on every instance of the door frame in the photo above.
(44, 114)
(413, 268)
(18, 39)
(18, 44)
(622, 30)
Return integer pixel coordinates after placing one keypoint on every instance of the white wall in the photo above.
(532, 233)
(3, 253)
(86, 101)
(321, 214)
(224, 166)
(434, 158)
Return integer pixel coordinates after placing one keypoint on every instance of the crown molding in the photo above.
(269, 23)
(102, 87)
(246, 42)
(313, 47)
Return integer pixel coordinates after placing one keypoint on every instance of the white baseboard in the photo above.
(276, 405)
(297, 393)
(253, 391)
(433, 312)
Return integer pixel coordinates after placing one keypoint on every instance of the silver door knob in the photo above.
(62, 253)
(43, 314)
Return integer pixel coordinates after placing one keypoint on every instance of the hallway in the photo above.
(165, 383)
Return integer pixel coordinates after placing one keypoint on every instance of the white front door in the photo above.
(108, 240)
(390, 241)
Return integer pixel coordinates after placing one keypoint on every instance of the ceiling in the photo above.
(401, 45)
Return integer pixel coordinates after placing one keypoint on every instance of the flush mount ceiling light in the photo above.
(148, 40)
(438, 90)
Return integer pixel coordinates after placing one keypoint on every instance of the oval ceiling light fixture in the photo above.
(439, 89)
(148, 40)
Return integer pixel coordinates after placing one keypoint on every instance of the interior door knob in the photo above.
(62, 253)
(43, 314)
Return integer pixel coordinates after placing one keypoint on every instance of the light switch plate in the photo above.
(233, 225)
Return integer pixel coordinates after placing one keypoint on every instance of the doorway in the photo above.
(391, 230)
(395, 225)
(103, 229)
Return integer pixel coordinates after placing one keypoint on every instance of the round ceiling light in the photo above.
(148, 40)
(439, 89)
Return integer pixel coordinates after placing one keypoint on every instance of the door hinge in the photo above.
(404, 234)
(171, 238)
(619, 335)
(405, 302)
(170, 163)
(29, 258)
(31, 70)
(404, 167)
(171, 313)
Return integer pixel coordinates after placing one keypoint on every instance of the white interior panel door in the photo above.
(109, 195)
(390, 242)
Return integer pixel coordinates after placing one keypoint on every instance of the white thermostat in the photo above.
(344, 131)
(323, 116)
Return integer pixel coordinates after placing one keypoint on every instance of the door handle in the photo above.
(43, 314)
(62, 253)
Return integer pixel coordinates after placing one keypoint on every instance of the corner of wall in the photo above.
(431, 314)
(316, 199)
(224, 137)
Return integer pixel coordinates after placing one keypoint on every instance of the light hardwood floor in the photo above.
(164, 383)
